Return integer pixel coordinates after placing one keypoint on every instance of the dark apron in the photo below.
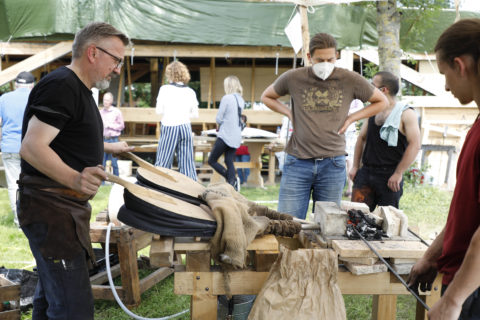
(65, 212)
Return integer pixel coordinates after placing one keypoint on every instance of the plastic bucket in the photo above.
(242, 304)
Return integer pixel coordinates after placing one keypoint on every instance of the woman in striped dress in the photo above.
(177, 103)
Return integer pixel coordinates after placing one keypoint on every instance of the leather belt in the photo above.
(69, 193)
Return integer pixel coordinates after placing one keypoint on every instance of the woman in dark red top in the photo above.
(456, 250)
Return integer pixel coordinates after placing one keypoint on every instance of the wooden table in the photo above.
(204, 283)
(255, 148)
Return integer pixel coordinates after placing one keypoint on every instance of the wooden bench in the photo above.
(204, 282)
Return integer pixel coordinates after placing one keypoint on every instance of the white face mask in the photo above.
(323, 70)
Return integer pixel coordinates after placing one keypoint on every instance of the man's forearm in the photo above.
(45, 160)
(407, 158)
(367, 112)
(435, 250)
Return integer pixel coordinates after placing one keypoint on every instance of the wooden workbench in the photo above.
(205, 282)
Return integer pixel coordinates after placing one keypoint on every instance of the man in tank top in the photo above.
(388, 144)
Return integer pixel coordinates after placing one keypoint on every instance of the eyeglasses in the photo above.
(117, 59)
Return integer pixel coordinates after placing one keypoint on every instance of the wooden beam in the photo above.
(252, 88)
(129, 82)
(211, 87)
(305, 34)
(120, 85)
(154, 80)
(157, 50)
(36, 61)
(255, 117)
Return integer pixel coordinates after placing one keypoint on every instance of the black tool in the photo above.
(421, 240)
(393, 271)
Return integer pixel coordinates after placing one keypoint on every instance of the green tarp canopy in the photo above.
(203, 22)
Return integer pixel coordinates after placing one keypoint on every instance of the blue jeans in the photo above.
(219, 148)
(243, 172)
(109, 156)
(324, 179)
(63, 290)
(11, 162)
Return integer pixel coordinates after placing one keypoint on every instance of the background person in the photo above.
(456, 250)
(62, 150)
(112, 127)
(321, 94)
(229, 135)
(350, 140)
(177, 103)
(12, 107)
(388, 144)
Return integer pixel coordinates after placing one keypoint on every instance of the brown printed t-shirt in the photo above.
(320, 108)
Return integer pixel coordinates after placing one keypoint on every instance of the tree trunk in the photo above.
(388, 28)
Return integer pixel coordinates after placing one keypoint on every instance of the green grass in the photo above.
(426, 208)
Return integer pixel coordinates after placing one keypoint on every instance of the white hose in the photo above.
(117, 298)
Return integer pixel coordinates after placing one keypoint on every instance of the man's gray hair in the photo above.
(93, 33)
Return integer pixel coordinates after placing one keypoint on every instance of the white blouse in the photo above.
(177, 103)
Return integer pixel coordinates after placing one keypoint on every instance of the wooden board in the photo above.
(361, 269)
(267, 243)
(251, 282)
(38, 60)
(387, 249)
(367, 260)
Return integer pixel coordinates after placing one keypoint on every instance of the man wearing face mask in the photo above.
(321, 94)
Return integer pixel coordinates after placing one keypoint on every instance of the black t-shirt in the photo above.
(377, 153)
(61, 100)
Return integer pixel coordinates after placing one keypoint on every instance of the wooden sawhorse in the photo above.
(126, 241)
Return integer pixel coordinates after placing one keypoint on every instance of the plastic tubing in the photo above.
(112, 287)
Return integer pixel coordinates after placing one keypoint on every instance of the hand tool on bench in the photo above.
(391, 269)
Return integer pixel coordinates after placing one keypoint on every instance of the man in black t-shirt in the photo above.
(62, 149)
(388, 143)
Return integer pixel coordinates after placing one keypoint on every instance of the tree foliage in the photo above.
(419, 19)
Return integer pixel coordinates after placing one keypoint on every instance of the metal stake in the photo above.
(392, 271)
(416, 235)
